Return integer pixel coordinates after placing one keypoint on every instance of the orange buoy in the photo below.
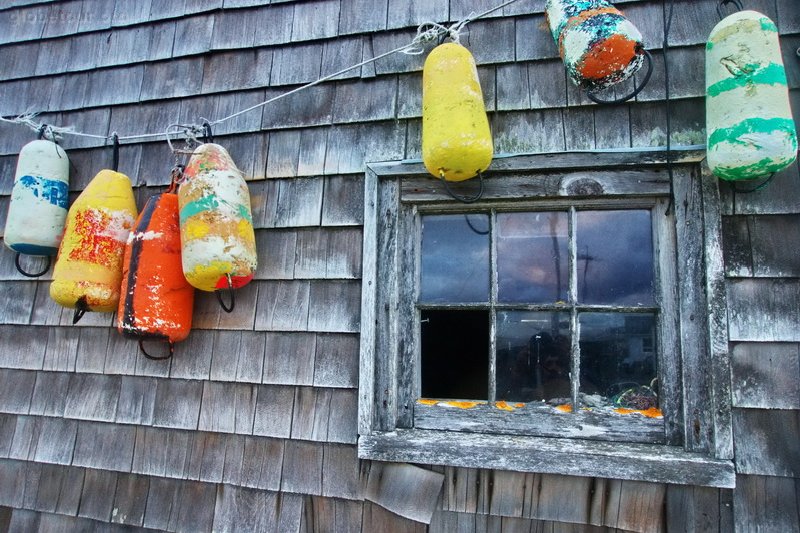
(88, 267)
(156, 300)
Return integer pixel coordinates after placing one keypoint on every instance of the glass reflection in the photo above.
(615, 257)
(618, 358)
(533, 355)
(532, 264)
(455, 258)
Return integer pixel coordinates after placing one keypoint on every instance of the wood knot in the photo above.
(583, 187)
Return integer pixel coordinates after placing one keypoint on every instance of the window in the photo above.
(548, 327)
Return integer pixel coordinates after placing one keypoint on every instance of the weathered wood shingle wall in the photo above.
(252, 425)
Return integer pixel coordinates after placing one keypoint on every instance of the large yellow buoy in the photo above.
(88, 270)
(749, 126)
(456, 141)
(218, 244)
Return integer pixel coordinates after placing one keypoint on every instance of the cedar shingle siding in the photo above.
(252, 426)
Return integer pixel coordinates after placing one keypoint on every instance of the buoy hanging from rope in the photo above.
(749, 125)
(37, 211)
(218, 244)
(456, 140)
(599, 46)
(88, 269)
(156, 300)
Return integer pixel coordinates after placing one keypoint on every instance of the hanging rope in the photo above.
(591, 95)
(426, 33)
(667, 17)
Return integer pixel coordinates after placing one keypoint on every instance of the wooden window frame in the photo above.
(697, 447)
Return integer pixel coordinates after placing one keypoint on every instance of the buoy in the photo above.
(456, 141)
(218, 243)
(39, 199)
(156, 300)
(749, 125)
(599, 46)
(88, 268)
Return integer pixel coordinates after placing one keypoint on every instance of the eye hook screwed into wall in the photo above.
(737, 4)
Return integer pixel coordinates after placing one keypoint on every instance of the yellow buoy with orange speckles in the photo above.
(88, 270)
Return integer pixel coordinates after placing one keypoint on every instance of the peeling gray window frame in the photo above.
(698, 444)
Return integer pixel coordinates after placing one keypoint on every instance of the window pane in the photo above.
(455, 258)
(455, 354)
(618, 358)
(533, 355)
(615, 257)
(532, 264)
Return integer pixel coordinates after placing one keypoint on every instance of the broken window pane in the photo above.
(533, 355)
(455, 354)
(615, 257)
(532, 263)
(455, 258)
(618, 358)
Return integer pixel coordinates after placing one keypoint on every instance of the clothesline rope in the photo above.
(426, 33)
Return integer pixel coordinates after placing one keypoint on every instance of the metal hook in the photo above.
(736, 3)
(176, 177)
(28, 274)
(154, 358)
(115, 152)
(230, 291)
(464, 199)
(208, 137)
(591, 95)
(80, 309)
(42, 130)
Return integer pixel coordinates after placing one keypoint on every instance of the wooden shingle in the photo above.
(16, 390)
(130, 499)
(8, 424)
(92, 397)
(262, 463)
(193, 35)
(342, 53)
(19, 302)
(177, 403)
(334, 306)
(282, 306)
(273, 411)
(234, 29)
(343, 201)
(361, 101)
(341, 472)
(313, 145)
(279, 248)
(762, 376)
(22, 348)
(181, 77)
(193, 356)
(763, 310)
(759, 441)
(289, 358)
(317, 19)
(104, 446)
(62, 349)
(227, 408)
(242, 69)
(764, 502)
(50, 394)
(274, 25)
(302, 468)
(97, 496)
(136, 401)
(56, 441)
(124, 17)
(96, 15)
(336, 360)
(206, 457)
(26, 436)
(296, 64)
(386, 486)
(361, 16)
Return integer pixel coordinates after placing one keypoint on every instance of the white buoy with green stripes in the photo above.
(749, 125)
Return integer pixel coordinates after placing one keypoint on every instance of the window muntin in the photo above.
(571, 307)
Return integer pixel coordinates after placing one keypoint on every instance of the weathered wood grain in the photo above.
(50, 394)
(97, 496)
(313, 145)
(334, 306)
(387, 486)
(23, 348)
(289, 358)
(282, 306)
(340, 54)
(136, 401)
(763, 502)
(763, 310)
(296, 64)
(273, 414)
(764, 375)
(193, 357)
(130, 499)
(177, 404)
(262, 463)
(365, 100)
(336, 360)
(16, 390)
(779, 197)
(92, 397)
(104, 446)
(376, 518)
(294, 203)
(773, 238)
(302, 468)
(662, 464)
(760, 438)
(343, 201)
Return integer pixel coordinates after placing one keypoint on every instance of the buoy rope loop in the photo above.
(464, 199)
(176, 178)
(636, 91)
(757, 188)
(208, 136)
(157, 358)
(115, 152)
(722, 3)
(230, 292)
(29, 274)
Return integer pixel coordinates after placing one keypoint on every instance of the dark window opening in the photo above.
(455, 354)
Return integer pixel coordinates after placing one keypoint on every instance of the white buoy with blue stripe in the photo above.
(39, 199)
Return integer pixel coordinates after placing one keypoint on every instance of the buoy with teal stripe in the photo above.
(218, 245)
(749, 125)
(37, 212)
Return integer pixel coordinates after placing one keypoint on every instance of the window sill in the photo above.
(642, 462)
